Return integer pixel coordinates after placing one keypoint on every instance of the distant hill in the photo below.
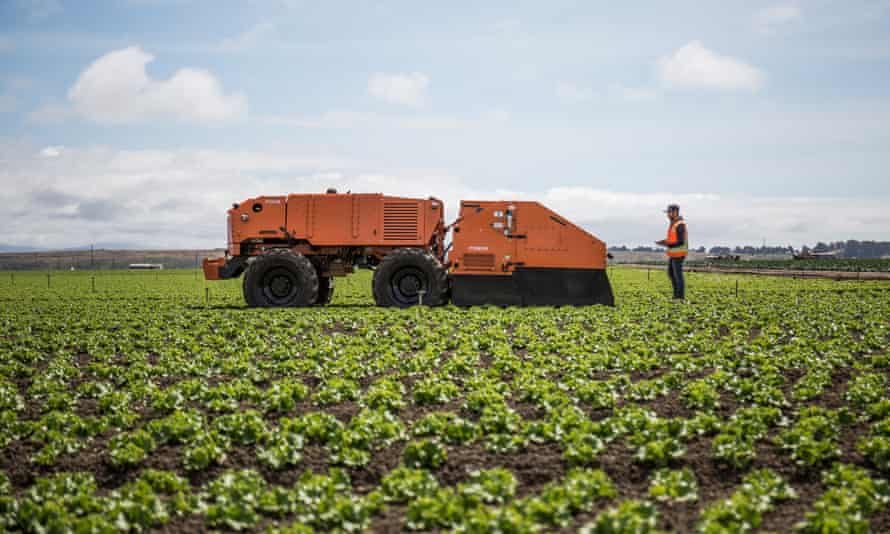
(25, 260)
(14, 248)
(96, 246)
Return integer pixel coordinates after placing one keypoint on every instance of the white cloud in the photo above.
(408, 89)
(51, 151)
(636, 218)
(573, 94)
(142, 197)
(777, 15)
(160, 199)
(116, 89)
(633, 94)
(693, 66)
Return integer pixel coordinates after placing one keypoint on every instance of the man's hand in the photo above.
(662, 243)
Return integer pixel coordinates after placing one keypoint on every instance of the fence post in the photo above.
(421, 293)
(12, 279)
(206, 296)
(93, 281)
(648, 273)
(47, 280)
(736, 287)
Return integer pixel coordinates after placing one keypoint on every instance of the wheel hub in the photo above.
(281, 286)
(407, 284)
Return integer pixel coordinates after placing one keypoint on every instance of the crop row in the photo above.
(143, 405)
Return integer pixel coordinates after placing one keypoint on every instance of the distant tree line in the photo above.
(857, 249)
(750, 250)
(101, 259)
(624, 248)
(846, 249)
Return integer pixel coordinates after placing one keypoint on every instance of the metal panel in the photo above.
(478, 262)
(534, 287)
(400, 221)
(356, 216)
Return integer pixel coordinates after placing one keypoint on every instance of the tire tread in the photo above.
(438, 294)
(301, 265)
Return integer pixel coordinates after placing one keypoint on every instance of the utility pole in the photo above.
(92, 259)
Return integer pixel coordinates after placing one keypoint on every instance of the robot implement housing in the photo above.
(290, 249)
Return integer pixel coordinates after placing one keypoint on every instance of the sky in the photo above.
(138, 122)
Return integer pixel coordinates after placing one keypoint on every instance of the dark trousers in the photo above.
(675, 272)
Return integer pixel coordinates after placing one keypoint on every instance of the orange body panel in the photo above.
(265, 217)
(496, 237)
(211, 268)
(335, 221)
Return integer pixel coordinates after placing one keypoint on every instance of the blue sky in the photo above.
(139, 121)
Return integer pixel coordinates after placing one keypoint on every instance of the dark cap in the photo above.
(672, 207)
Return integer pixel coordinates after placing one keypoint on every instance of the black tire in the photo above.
(280, 278)
(403, 273)
(325, 290)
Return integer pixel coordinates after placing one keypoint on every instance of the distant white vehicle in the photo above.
(142, 266)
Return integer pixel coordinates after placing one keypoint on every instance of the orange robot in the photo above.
(291, 247)
(521, 253)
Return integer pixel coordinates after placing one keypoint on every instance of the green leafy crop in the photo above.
(152, 404)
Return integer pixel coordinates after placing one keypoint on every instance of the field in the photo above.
(836, 265)
(145, 402)
(101, 259)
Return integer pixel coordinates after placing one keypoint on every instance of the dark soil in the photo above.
(392, 520)
(367, 478)
(182, 524)
(669, 406)
(534, 467)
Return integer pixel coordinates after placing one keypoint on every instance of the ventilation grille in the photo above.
(479, 262)
(400, 221)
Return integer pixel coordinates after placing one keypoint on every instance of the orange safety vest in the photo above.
(680, 250)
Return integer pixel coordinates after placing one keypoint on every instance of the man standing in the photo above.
(677, 244)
